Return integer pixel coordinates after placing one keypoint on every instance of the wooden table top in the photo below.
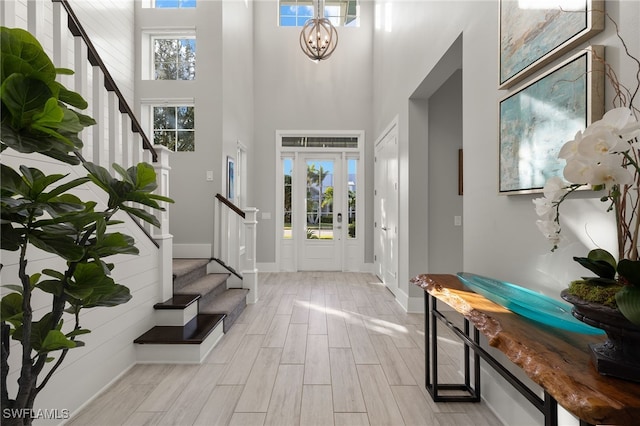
(557, 360)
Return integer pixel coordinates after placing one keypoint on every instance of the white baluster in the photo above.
(115, 129)
(8, 13)
(127, 155)
(250, 271)
(97, 102)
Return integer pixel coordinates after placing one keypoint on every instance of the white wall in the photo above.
(110, 25)
(293, 93)
(109, 349)
(500, 236)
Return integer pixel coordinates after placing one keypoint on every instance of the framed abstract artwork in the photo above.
(534, 33)
(538, 118)
(230, 178)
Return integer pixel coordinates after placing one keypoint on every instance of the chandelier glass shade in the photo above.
(318, 38)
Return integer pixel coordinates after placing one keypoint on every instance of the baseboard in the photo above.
(412, 305)
(267, 267)
(273, 267)
(192, 251)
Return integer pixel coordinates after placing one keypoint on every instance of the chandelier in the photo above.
(318, 38)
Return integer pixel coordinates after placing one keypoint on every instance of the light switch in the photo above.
(209, 175)
(457, 221)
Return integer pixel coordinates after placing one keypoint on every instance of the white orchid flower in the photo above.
(619, 125)
(554, 188)
(544, 207)
(550, 229)
(610, 172)
(579, 170)
(570, 148)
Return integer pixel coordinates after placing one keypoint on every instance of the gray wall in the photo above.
(293, 93)
(223, 96)
(445, 138)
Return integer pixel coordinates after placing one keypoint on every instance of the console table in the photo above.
(557, 360)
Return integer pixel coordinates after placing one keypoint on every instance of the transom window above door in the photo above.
(341, 13)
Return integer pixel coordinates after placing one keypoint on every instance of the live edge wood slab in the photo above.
(557, 360)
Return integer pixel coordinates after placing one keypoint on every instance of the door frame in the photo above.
(286, 251)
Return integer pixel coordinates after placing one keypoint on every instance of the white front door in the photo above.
(319, 201)
(386, 210)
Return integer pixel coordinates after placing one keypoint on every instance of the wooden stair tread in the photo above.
(194, 332)
(178, 301)
(226, 302)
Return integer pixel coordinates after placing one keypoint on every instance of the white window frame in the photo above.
(149, 35)
(146, 114)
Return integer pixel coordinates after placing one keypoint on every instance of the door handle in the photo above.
(339, 218)
(384, 228)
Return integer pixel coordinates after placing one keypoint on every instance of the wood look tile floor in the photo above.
(319, 348)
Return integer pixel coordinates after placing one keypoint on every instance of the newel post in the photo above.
(250, 272)
(162, 235)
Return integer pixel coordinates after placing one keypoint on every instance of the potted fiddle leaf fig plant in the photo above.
(41, 211)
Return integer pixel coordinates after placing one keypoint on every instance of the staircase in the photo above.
(189, 325)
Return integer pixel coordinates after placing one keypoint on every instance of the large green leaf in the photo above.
(108, 296)
(22, 53)
(628, 301)
(62, 246)
(24, 97)
(56, 340)
(630, 271)
(601, 268)
(115, 243)
(11, 309)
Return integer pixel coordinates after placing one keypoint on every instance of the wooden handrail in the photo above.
(109, 83)
(229, 204)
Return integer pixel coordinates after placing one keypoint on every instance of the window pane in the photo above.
(352, 165)
(166, 138)
(287, 165)
(173, 127)
(175, 59)
(319, 200)
(174, 4)
(185, 141)
(339, 12)
(185, 117)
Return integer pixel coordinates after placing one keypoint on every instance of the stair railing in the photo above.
(234, 242)
(118, 136)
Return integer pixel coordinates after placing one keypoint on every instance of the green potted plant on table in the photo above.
(40, 211)
(605, 157)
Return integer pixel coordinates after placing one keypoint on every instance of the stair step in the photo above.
(178, 301)
(207, 286)
(187, 270)
(231, 303)
(194, 332)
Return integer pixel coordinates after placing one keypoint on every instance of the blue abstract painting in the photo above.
(537, 120)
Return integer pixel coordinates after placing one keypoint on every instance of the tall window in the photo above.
(174, 127)
(287, 168)
(173, 4)
(174, 58)
(352, 177)
(294, 13)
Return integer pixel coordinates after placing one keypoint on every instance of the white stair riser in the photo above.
(179, 353)
(177, 317)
